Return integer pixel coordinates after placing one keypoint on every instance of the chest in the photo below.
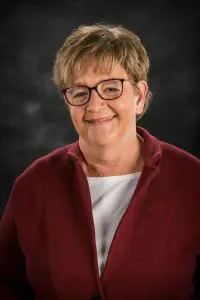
(152, 252)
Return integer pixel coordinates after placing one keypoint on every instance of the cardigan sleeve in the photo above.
(13, 281)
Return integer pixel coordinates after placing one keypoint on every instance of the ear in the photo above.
(141, 96)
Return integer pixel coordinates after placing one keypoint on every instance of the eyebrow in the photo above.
(85, 83)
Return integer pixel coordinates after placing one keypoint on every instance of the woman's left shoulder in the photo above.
(180, 158)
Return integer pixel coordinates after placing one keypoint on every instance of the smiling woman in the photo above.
(116, 214)
(100, 144)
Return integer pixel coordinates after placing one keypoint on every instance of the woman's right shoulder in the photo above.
(43, 166)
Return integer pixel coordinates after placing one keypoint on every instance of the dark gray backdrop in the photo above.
(34, 120)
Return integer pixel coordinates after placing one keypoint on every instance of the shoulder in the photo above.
(46, 165)
(168, 154)
(176, 155)
(179, 162)
(39, 179)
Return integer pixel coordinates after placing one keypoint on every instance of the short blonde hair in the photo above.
(108, 45)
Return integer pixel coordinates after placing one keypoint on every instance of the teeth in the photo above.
(102, 120)
(105, 119)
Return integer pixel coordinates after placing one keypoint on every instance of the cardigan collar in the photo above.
(152, 149)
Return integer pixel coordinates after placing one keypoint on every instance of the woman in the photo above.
(116, 214)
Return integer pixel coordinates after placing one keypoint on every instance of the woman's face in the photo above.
(86, 118)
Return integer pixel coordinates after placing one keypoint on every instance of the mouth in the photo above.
(101, 120)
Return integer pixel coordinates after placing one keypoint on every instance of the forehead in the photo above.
(91, 71)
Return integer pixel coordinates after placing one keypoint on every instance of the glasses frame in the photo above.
(95, 87)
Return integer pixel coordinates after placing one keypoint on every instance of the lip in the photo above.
(100, 119)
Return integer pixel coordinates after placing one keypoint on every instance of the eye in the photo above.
(80, 94)
(111, 89)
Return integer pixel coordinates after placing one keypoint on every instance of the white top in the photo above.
(110, 198)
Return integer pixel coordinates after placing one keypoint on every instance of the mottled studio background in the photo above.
(34, 120)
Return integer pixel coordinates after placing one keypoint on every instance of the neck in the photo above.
(120, 159)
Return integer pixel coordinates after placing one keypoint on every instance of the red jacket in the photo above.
(47, 241)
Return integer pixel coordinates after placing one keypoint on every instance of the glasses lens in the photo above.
(110, 89)
(77, 95)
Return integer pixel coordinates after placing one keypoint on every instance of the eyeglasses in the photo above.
(109, 89)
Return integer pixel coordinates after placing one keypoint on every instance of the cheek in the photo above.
(77, 117)
(126, 107)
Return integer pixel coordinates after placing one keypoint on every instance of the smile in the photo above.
(101, 120)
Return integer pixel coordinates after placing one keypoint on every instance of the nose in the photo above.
(96, 103)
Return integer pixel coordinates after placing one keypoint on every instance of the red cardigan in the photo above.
(47, 241)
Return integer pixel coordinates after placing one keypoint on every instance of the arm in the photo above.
(13, 282)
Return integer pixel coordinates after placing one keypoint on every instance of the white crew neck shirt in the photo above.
(110, 198)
